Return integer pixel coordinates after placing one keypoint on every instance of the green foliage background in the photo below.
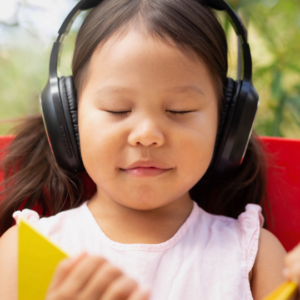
(274, 38)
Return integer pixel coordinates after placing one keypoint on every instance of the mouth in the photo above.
(145, 171)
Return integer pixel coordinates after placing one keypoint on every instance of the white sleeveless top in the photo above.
(209, 258)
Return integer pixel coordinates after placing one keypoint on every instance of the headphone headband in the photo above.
(220, 5)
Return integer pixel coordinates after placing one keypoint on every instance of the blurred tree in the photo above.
(274, 37)
(24, 66)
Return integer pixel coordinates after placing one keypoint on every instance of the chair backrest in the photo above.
(283, 188)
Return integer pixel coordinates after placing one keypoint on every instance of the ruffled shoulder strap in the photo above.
(250, 221)
(31, 215)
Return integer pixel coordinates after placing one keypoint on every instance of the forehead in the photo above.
(134, 58)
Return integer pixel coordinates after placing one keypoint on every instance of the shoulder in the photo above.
(268, 265)
(55, 225)
(8, 264)
(245, 229)
(246, 226)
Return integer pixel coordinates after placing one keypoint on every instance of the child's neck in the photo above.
(128, 226)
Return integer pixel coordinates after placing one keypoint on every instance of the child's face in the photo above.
(144, 76)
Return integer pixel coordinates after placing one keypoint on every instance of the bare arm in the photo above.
(8, 264)
(268, 266)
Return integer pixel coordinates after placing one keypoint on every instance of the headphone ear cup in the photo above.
(69, 101)
(224, 120)
(228, 98)
(72, 104)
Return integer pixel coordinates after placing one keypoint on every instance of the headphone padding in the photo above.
(229, 91)
(69, 100)
(72, 102)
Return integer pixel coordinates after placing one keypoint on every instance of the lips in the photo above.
(146, 168)
(147, 164)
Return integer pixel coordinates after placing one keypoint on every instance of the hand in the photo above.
(90, 277)
(292, 265)
(292, 268)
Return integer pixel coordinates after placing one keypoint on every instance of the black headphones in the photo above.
(59, 104)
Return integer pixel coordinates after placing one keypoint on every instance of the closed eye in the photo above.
(119, 112)
(179, 112)
(171, 111)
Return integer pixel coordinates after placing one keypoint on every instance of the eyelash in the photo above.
(173, 112)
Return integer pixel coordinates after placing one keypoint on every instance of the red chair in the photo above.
(283, 188)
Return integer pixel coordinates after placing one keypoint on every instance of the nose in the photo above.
(146, 133)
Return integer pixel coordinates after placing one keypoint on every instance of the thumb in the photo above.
(63, 269)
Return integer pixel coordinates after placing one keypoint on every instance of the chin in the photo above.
(143, 204)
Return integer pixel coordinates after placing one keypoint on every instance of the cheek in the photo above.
(196, 146)
(99, 143)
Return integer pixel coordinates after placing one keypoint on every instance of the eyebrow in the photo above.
(187, 89)
(179, 89)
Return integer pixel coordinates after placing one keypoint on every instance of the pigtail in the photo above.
(32, 178)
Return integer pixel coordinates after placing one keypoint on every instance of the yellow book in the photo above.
(285, 291)
(38, 258)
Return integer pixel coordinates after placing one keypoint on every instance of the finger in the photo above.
(82, 272)
(63, 269)
(120, 289)
(140, 294)
(292, 256)
(293, 272)
(99, 282)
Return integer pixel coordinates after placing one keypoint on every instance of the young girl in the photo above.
(149, 76)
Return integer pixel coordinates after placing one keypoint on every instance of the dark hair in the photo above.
(30, 171)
